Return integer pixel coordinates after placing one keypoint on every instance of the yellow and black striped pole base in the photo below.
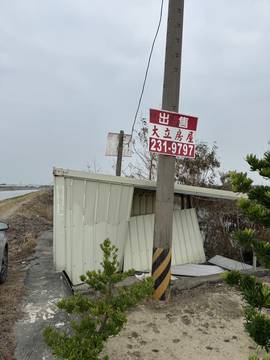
(161, 272)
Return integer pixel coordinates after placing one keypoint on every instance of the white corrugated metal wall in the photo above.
(88, 212)
(187, 244)
(59, 224)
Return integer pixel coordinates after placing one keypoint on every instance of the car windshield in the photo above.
(3, 226)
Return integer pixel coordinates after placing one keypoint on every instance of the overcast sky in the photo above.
(71, 71)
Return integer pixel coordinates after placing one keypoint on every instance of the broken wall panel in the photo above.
(187, 245)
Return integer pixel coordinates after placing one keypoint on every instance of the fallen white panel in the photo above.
(229, 264)
(187, 244)
(196, 270)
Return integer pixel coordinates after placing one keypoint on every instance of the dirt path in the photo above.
(44, 288)
(28, 216)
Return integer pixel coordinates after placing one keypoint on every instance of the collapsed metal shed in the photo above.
(88, 208)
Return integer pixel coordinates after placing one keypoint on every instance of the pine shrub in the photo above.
(256, 207)
(95, 320)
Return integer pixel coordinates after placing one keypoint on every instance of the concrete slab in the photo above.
(195, 270)
(229, 264)
(45, 288)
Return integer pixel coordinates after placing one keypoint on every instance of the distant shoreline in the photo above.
(23, 187)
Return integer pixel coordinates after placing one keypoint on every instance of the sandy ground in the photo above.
(201, 324)
(27, 216)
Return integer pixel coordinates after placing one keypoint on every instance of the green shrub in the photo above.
(258, 326)
(253, 291)
(253, 357)
(256, 207)
(244, 238)
(232, 278)
(94, 320)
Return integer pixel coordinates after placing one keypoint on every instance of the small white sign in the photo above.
(113, 142)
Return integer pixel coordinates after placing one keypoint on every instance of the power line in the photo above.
(147, 68)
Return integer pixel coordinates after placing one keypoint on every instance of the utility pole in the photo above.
(120, 153)
(162, 248)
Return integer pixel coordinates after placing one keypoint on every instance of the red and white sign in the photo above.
(172, 134)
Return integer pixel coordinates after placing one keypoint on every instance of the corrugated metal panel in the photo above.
(144, 202)
(88, 212)
(149, 185)
(187, 244)
(59, 223)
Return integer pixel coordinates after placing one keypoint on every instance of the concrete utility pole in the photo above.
(161, 262)
(120, 153)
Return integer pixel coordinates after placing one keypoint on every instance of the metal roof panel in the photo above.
(148, 185)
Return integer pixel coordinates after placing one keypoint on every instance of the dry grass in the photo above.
(29, 220)
(47, 212)
(29, 243)
(11, 294)
(9, 205)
